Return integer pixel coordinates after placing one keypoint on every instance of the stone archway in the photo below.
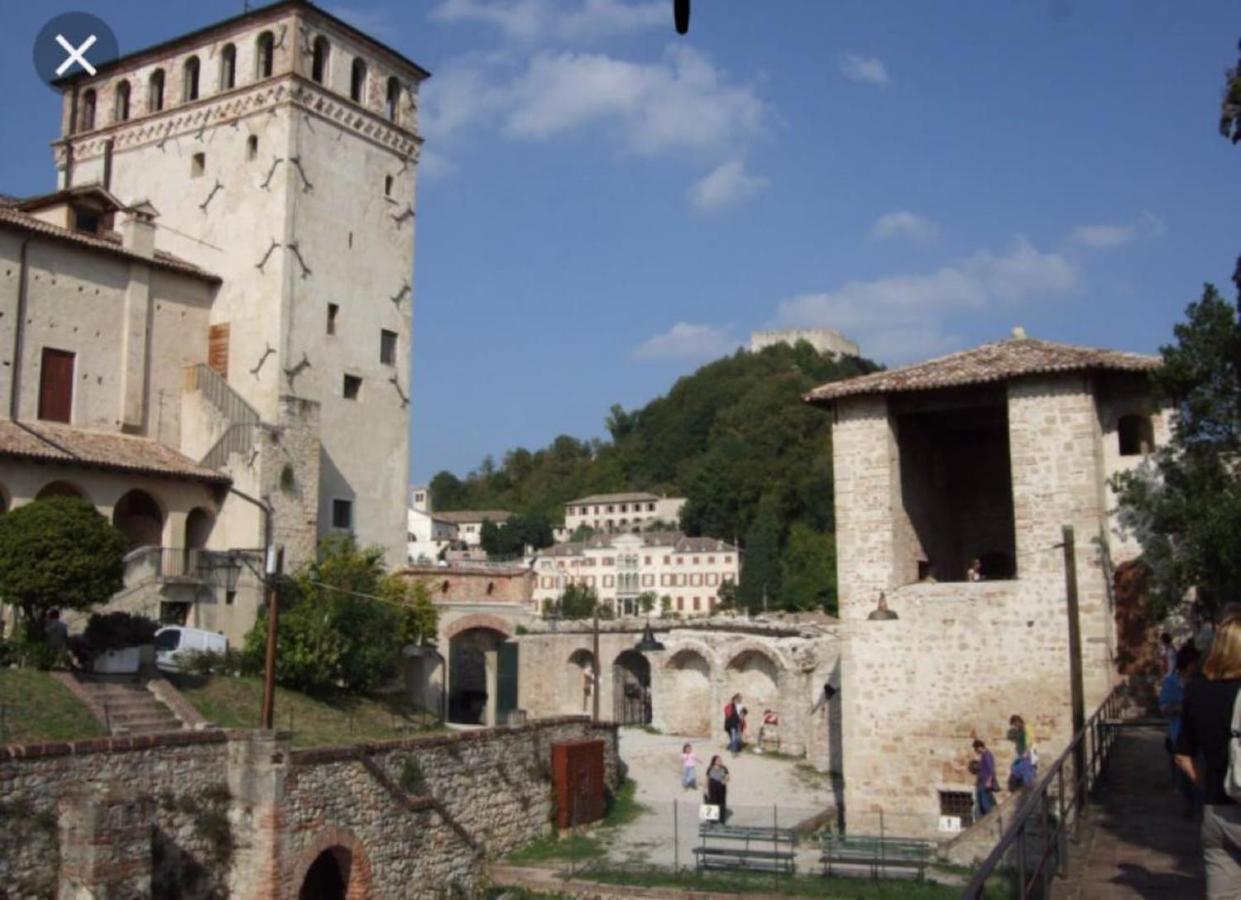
(140, 518)
(59, 489)
(631, 689)
(686, 694)
(755, 675)
(472, 675)
(334, 867)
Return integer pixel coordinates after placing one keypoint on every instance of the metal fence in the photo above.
(1034, 848)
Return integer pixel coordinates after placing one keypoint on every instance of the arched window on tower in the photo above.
(357, 80)
(86, 114)
(393, 98)
(120, 107)
(318, 66)
(189, 80)
(228, 67)
(264, 56)
(155, 91)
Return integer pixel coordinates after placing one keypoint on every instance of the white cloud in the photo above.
(681, 103)
(866, 69)
(900, 317)
(905, 224)
(534, 20)
(686, 341)
(1146, 225)
(726, 184)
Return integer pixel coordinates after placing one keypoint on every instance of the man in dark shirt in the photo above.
(1202, 754)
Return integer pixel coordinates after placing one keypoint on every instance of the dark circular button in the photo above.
(71, 44)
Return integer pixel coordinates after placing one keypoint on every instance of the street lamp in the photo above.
(648, 644)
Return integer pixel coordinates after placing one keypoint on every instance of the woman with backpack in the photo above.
(732, 723)
(1204, 751)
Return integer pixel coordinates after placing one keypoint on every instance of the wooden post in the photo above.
(1076, 688)
(275, 569)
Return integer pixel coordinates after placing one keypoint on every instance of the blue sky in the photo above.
(604, 205)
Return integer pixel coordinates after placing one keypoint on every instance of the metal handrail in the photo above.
(1097, 737)
(216, 388)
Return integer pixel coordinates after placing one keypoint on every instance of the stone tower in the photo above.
(278, 150)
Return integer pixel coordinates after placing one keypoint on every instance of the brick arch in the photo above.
(361, 879)
(675, 648)
(478, 620)
(774, 655)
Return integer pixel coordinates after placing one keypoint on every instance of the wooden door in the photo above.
(56, 385)
(217, 349)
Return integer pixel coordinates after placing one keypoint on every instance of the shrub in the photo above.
(413, 782)
(117, 630)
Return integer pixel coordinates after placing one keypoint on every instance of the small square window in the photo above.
(959, 804)
(352, 387)
(198, 164)
(342, 514)
(332, 310)
(387, 185)
(252, 146)
(387, 347)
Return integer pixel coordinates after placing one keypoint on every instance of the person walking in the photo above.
(689, 768)
(1167, 653)
(1171, 699)
(1025, 761)
(732, 723)
(717, 786)
(985, 784)
(1202, 754)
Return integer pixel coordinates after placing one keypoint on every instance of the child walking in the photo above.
(689, 773)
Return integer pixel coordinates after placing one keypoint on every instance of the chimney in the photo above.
(138, 229)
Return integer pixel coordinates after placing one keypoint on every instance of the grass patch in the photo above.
(624, 807)
(555, 849)
(37, 707)
(314, 721)
(795, 886)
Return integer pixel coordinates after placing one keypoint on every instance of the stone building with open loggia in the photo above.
(980, 455)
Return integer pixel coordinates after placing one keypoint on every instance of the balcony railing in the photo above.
(187, 565)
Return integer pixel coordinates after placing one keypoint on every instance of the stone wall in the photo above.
(198, 814)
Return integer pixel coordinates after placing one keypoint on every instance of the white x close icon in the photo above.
(75, 55)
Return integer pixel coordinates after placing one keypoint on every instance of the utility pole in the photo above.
(274, 571)
(1075, 651)
(594, 697)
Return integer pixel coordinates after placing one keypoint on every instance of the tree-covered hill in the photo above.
(734, 438)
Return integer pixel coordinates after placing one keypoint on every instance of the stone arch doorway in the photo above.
(334, 867)
(631, 689)
(578, 683)
(473, 669)
(198, 526)
(59, 489)
(687, 694)
(328, 876)
(140, 518)
(756, 677)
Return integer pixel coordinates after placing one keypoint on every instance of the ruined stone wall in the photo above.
(490, 789)
(173, 786)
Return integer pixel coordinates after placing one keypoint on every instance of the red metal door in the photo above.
(56, 385)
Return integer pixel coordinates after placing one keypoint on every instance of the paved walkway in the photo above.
(1134, 841)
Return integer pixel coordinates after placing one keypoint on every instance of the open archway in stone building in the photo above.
(631, 689)
(328, 876)
(756, 677)
(577, 685)
(685, 704)
(470, 684)
(140, 518)
(59, 489)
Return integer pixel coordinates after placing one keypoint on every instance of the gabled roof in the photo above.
(676, 541)
(615, 498)
(1001, 361)
(65, 195)
(15, 218)
(56, 443)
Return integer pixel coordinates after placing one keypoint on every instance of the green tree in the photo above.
(336, 631)
(577, 602)
(1230, 110)
(419, 615)
(809, 570)
(647, 601)
(1184, 504)
(727, 595)
(58, 553)
(489, 538)
(760, 573)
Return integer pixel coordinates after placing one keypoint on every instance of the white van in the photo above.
(172, 641)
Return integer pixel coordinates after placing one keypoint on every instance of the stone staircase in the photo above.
(126, 706)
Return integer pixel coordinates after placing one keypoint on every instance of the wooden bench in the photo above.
(876, 853)
(753, 848)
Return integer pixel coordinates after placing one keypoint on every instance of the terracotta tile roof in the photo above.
(1001, 361)
(677, 541)
(56, 443)
(615, 498)
(461, 516)
(15, 218)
